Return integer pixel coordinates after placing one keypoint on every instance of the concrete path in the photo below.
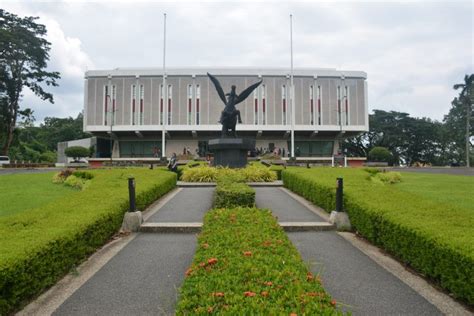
(189, 205)
(355, 280)
(144, 277)
(283, 206)
(351, 277)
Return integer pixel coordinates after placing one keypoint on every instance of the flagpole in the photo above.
(292, 103)
(164, 96)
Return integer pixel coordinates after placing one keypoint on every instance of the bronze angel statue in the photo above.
(231, 115)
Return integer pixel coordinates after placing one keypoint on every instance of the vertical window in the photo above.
(264, 105)
(198, 100)
(346, 104)
(319, 105)
(339, 121)
(311, 104)
(106, 103)
(142, 96)
(161, 103)
(283, 103)
(190, 104)
(255, 101)
(170, 91)
(114, 103)
(134, 101)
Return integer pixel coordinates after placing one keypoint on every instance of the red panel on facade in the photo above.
(256, 105)
(319, 105)
(141, 106)
(189, 105)
(263, 105)
(284, 105)
(161, 105)
(197, 105)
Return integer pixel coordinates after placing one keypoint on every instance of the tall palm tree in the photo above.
(467, 98)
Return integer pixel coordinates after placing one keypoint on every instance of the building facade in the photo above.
(133, 109)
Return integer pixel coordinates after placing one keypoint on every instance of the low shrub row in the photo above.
(231, 194)
(251, 173)
(39, 246)
(246, 265)
(433, 237)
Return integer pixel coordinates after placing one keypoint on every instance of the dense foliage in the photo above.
(246, 265)
(427, 221)
(24, 53)
(39, 143)
(380, 154)
(251, 173)
(40, 245)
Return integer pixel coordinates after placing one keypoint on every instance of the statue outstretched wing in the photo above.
(244, 94)
(218, 86)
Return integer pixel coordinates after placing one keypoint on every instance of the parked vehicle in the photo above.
(4, 160)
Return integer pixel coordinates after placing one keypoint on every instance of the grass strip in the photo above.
(38, 246)
(416, 220)
(246, 265)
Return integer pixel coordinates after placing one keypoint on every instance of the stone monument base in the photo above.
(231, 152)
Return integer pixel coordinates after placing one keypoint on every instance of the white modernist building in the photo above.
(133, 109)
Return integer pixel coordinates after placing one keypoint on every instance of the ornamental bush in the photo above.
(232, 194)
(77, 152)
(246, 265)
(39, 246)
(251, 173)
(380, 154)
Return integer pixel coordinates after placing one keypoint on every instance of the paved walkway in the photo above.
(189, 205)
(352, 278)
(283, 206)
(143, 278)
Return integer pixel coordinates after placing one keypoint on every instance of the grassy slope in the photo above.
(19, 192)
(440, 205)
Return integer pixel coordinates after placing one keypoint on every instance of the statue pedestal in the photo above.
(231, 152)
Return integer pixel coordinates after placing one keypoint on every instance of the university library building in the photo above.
(128, 110)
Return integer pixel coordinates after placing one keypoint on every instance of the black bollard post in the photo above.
(339, 195)
(151, 166)
(131, 193)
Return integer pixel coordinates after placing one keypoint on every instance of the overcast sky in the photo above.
(412, 51)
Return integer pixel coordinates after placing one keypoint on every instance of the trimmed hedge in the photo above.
(41, 245)
(246, 265)
(434, 238)
(232, 194)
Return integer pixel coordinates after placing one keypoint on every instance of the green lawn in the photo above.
(20, 192)
(455, 190)
(426, 220)
(40, 245)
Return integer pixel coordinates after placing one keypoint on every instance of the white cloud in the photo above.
(413, 51)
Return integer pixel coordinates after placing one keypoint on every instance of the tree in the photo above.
(380, 154)
(24, 53)
(465, 100)
(77, 152)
